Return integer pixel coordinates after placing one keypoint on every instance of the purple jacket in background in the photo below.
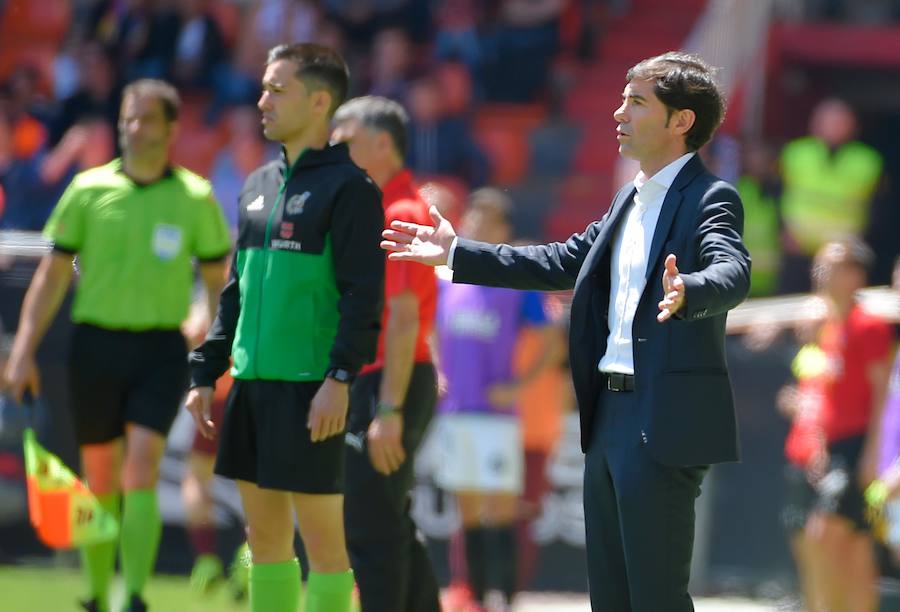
(890, 421)
(477, 328)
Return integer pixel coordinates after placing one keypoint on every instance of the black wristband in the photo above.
(340, 375)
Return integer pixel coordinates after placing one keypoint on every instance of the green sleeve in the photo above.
(66, 226)
(211, 238)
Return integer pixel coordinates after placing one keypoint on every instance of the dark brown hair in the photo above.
(684, 81)
(159, 90)
(318, 67)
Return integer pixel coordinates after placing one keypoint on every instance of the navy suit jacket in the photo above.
(682, 387)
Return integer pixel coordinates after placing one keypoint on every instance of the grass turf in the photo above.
(31, 589)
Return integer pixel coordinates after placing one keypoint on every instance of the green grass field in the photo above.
(51, 589)
(30, 589)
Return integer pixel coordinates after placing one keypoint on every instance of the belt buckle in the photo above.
(609, 383)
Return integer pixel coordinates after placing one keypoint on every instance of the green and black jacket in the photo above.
(306, 287)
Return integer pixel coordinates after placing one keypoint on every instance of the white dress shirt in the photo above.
(630, 251)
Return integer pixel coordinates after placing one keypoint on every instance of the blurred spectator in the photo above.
(542, 405)
(480, 429)
(245, 151)
(849, 379)
(140, 33)
(829, 179)
(441, 143)
(760, 190)
(199, 46)
(491, 39)
(96, 97)
(25, 98)
(392, 62)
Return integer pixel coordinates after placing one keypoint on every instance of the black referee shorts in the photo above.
(264, 439)
(118, 377)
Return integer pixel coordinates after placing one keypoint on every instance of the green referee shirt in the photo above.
(135, 244)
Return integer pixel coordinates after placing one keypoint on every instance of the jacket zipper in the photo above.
(278, 200)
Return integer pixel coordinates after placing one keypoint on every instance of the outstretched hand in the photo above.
(420, 243)
(673, 290)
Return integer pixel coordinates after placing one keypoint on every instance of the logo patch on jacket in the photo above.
(295, 204)
(256, 204)
(286, 230)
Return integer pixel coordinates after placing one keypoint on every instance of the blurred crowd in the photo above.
(64, 65)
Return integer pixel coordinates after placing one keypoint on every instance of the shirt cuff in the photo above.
(450, 254)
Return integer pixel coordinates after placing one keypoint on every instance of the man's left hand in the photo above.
(673, 290)
(328, 411)
(385, 442)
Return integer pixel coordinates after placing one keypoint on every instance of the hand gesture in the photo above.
(420, 243)
(673, 290)
(385, 439)
(328, 411)
(199, 404)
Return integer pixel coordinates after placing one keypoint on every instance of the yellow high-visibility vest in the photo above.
(826, 196)
(760, 235)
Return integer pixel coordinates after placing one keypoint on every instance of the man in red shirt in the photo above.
(849, 384)
(392, 401)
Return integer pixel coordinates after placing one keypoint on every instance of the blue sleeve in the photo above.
(533, 309)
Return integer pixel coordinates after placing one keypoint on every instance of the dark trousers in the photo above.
(639, 517)
(388, 557)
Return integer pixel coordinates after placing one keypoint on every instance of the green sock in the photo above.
(329, 592)
(141, 529)
(275, 587)
(99, 560)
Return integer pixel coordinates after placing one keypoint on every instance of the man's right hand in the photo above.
(199, 404)
(420, 243)
(21, 374)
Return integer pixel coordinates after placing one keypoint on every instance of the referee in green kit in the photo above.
(135, 224)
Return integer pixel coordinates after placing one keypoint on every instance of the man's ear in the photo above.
(683, 120)
(321, 101)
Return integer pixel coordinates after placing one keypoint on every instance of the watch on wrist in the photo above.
(384, 409)
(340, 375)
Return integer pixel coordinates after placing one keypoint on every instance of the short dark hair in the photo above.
(377, 113)
(685, 81)
(160, 90)
(318, 67)
(849, 250)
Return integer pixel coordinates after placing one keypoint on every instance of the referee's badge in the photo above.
(295, 204)
(166, 241)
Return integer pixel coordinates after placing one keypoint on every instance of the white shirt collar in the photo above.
(663, 179)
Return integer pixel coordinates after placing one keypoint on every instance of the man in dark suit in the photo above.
(647, 358)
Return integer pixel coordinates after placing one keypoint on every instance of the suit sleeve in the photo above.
(544, 267)
(210, 360)
(356, 225)
(724, 278)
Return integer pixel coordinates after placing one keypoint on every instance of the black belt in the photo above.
(619, 382)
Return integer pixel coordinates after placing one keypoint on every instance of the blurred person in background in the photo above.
(760, 190)
(847, 374)
(542, 405)
(440, 143)
(392, 401)
(200, 49)
(135, 225)
(479, 432)
(884, 494)
(392, 63)
(829, 179)
(297, 319)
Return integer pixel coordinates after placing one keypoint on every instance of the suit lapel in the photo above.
(669, 209)
(607, 231)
